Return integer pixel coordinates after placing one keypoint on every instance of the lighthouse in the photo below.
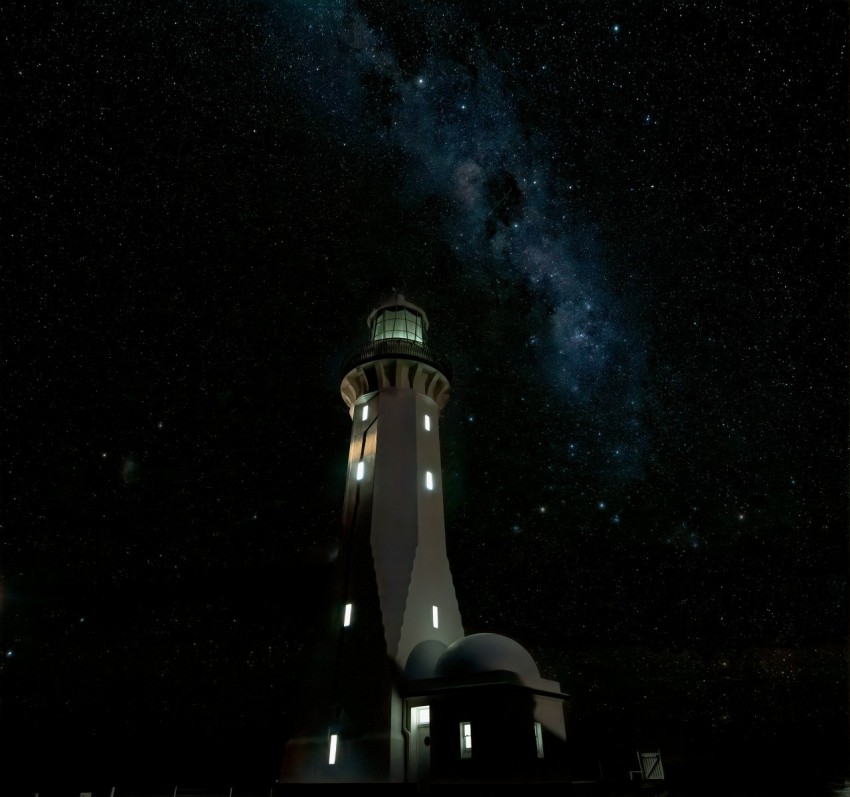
(405, 696)
(397, 580)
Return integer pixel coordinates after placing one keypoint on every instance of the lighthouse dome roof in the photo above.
(479, 653)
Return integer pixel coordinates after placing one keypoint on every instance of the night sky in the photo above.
(627, 222)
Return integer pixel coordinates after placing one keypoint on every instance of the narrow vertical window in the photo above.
(346, 620)
(435, 618)
(429, 480)
(361, 469)
(332, 751)
(538, 738)
(427, 423)
(466, 740)
(364, 413)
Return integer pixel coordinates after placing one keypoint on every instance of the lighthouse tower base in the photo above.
(368, 760)
(482, 715)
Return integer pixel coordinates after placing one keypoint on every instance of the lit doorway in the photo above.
(420, 744)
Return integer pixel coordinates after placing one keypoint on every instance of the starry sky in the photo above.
(627, 222)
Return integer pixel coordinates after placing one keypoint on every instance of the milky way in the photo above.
(456, 125)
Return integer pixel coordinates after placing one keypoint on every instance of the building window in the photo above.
(429, 480)
(332, 751)
(361, 469)
(364, 413)
(346, 620)
(435, 616)
(538, 738)
(427, 423)
(466, 740)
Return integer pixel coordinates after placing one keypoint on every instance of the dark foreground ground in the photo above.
(710, 787)
(710, 776)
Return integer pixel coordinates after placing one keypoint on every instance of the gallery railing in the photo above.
(397, 348)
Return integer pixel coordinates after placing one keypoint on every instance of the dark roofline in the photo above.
(505, 678)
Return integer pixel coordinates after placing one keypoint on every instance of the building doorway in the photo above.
(419, 758)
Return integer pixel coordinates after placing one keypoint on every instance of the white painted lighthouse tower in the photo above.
(395, 609)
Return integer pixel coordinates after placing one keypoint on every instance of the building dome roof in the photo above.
(479, 653)
(423, 659)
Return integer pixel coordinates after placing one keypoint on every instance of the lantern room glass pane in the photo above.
(398, 323)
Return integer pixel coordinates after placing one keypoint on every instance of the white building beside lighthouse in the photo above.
(408, 697)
